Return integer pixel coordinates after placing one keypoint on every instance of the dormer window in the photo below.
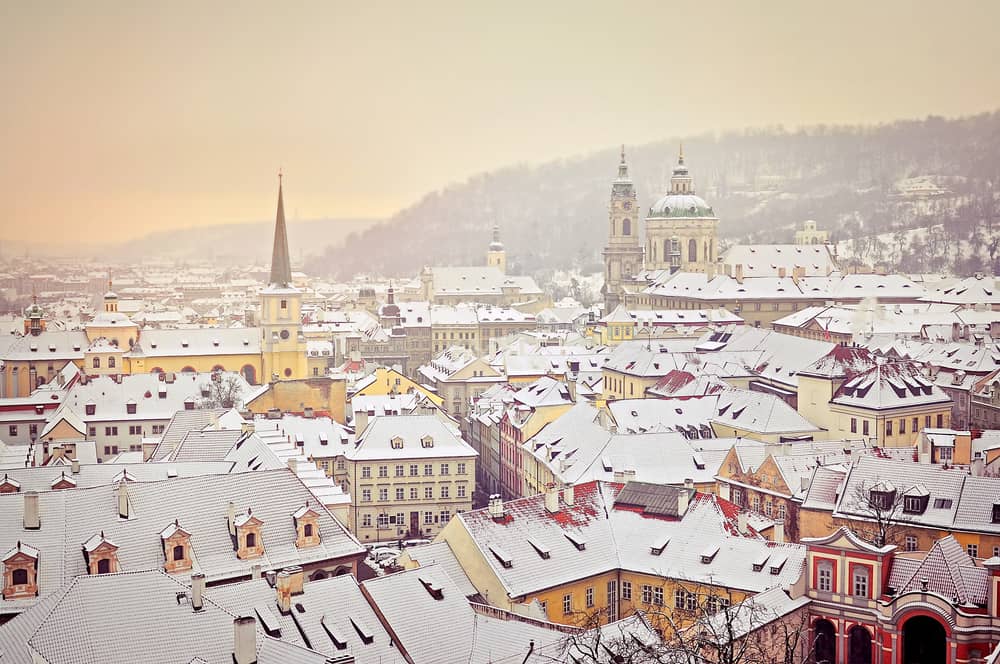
(882, 496)
(248, 541)
(427, 441)
(397, 443)
(101, 555)
(189, 404)
(8, 485)
(130, 408)
(306, 527)
(915, 500)
(176, 548)
(20, 577)
(90, 408)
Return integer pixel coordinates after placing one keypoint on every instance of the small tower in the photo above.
(497, 255)
(34, 318)
(623, 252)
(110, 298)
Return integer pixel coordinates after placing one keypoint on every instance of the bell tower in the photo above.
(283, 346)
(623, 253)
(497, 255)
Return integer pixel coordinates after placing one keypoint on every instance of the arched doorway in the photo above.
(824, 642)
(859, 646)
(924, 640)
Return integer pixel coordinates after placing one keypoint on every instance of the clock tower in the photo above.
(283, 346)
(623, 254)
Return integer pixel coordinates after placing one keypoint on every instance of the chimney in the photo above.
(247, 427)
(779, 531)
(31, 520)
(297, 579)
(74, 466)
(123, 499)
(496, 506)
(739, 273)
(683, 497)
(245, 640)
(197, 591)
(255, 571)
(293, 465)
(689, 483)
(551, 499)
(781, 272)
(741, 522)
(569, 496)
(308, 412)
(271, 577)
(283, 591)
(360, 420)
(231, 518)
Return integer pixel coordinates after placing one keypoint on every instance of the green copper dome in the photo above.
(681, 205)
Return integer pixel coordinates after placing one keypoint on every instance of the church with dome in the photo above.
(680, 234)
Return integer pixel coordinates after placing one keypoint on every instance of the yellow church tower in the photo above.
(283, 346)
(497, 255)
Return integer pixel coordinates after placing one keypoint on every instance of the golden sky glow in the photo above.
(119, 118)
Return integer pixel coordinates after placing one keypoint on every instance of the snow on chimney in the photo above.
(741, 522)
(683, 497)
(496, 506)
(779, 531)
(123, 499)
(569, 496)
(74, 466)
(551, 498)
(231, 518)
(283, 591)
(197, 591)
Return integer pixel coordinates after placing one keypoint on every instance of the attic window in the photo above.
(130, 408)
(427, 441)
(542, 550)
(189, 404)
(659, 546)
(366, 634)
(184, 343)
(708, 555)
(90, 408)
(945, 504)
(996, 513)
(397, 443)
(915, 504)
(432, 588)
(761, 561)
(34, 348)
(339, 640)
(323, 438)
(152, 344)
(778, 563)
(502, 556)
(579, 542)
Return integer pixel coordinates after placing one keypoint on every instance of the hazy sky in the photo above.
(118, 118)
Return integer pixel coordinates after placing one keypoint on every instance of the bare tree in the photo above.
(881, 503)
(224, 391)
(699, 625)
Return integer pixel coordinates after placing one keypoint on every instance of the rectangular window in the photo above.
(461, 491)
(366, 472)
(366, 495)
(399, 470)
(824, 576)
(589, 595)
(383, 521)
(445, 516)
(444, 469)
(461, 468)
(12, 430)
(902, 425)
(927, 421)
(946, 453)
(854, 425)
(888, 427)
(428, 469)
(366, 520)
(383, 494)
(445, 491)
(567, 603)
(680, 597)
(627, 590)
(383, 471)
(428, 518)
(861, 582)
(972, 550)
(413, 493)
(93, 431)
(413, 470)
(400, 493)
(864, 427)
(658, 596)
(429, 493)
(916, 424)
(647, 594)
(940, 420)
(910, 543)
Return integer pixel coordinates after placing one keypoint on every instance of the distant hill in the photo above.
(761, 183)
(242, 243)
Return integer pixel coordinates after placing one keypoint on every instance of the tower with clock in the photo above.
(623, 254)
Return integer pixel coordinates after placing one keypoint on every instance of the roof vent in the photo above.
(577, 540)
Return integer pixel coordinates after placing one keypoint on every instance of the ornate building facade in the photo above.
(623, 253)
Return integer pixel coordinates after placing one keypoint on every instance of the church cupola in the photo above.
(34, 318)
(110, 299)
(681, 181)
(497, 255)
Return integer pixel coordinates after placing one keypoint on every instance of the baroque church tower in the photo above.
(283, 346)
(623, 253)
(497, 255)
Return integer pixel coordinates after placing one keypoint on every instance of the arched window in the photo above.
(249, 373)
(103, 566)
(188, 369)
(19, 577)
(156, 370)
(692, 250)
(307, 530)
(218, 367)
(627, 227)
(179, 552)
(111, 362)
(97, 363)
(251, 540)
(824, 642)
(859, 646)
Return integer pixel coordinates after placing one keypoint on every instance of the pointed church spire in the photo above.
(680, 154)
(622, 167)
(281, 268)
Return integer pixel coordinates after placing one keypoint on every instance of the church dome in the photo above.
(681, 205)
(33, 311)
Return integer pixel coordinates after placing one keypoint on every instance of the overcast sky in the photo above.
(118, 118)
